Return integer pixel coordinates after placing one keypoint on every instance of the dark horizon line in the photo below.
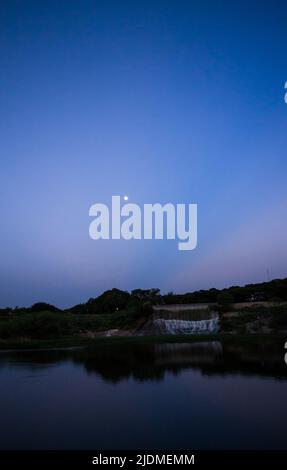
(198, 291)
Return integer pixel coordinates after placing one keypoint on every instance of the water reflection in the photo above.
(202, 395)
(116, 362)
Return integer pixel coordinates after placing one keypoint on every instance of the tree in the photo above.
(43, 307)
(110, 301)
(147, 295)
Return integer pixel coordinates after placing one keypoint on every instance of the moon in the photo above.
(126, 198)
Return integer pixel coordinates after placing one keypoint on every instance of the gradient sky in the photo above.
(165, 101)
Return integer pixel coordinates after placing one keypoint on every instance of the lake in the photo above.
(188, 395)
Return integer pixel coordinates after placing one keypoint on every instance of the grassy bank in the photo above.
(80, 342)
(254, 319)
(58, 329)
(56, 325)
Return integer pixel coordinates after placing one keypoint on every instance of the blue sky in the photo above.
(165, 101)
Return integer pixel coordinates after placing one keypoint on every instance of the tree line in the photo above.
(141, 300)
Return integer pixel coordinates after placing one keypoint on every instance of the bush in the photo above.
(43, 307)
(141, 309)
(279, 320)
(37, 325)
(225, 300)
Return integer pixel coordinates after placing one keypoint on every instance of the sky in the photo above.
(164, 101)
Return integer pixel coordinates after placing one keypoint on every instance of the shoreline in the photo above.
(72, 343)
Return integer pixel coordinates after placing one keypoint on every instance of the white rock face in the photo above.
(174, 327)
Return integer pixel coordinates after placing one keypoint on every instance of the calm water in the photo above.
(207, 395)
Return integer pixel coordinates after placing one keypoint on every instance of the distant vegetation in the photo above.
(256, 319)
(275, 290)
(114, 309)
(117, 309)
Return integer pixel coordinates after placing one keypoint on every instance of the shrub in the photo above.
(225, 300)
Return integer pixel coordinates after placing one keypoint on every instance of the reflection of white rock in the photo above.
(171, 349)
(195, 353)
(173, 327)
